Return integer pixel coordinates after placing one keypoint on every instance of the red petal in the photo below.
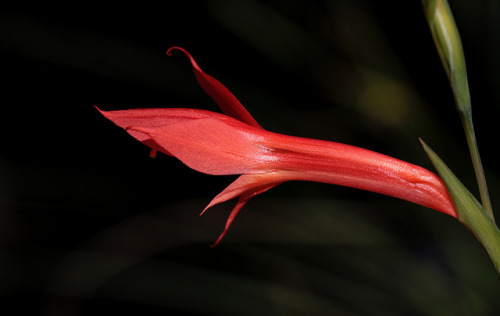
(220, 94)
(210, 145)
(241, 202)
(151, 118)
(246, 187)
(249, 184)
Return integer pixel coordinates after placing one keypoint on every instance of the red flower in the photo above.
(218, 144)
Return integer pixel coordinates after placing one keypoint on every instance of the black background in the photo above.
(90, 224)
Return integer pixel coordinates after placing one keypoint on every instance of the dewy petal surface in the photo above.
(220, 94)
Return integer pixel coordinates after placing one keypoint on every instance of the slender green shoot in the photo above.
(447, 40)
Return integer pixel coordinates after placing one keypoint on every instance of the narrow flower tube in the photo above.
(218, 144)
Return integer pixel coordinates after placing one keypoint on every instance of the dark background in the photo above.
(90, 224)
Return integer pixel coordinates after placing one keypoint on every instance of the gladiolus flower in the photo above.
(218, 144)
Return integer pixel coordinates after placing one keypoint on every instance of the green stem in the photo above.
(449, 46)
(478, 166)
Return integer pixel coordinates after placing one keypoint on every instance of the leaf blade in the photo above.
(470, 212)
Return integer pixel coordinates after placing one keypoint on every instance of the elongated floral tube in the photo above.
(217, 144)
(235, 143)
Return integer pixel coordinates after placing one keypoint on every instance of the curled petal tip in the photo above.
(188, 55)
(216, 243)
(169, 51)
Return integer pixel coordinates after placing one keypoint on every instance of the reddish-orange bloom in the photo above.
(218, 144)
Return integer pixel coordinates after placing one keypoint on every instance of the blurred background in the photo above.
(90, 224)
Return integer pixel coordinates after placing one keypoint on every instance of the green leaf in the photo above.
(470, 212)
